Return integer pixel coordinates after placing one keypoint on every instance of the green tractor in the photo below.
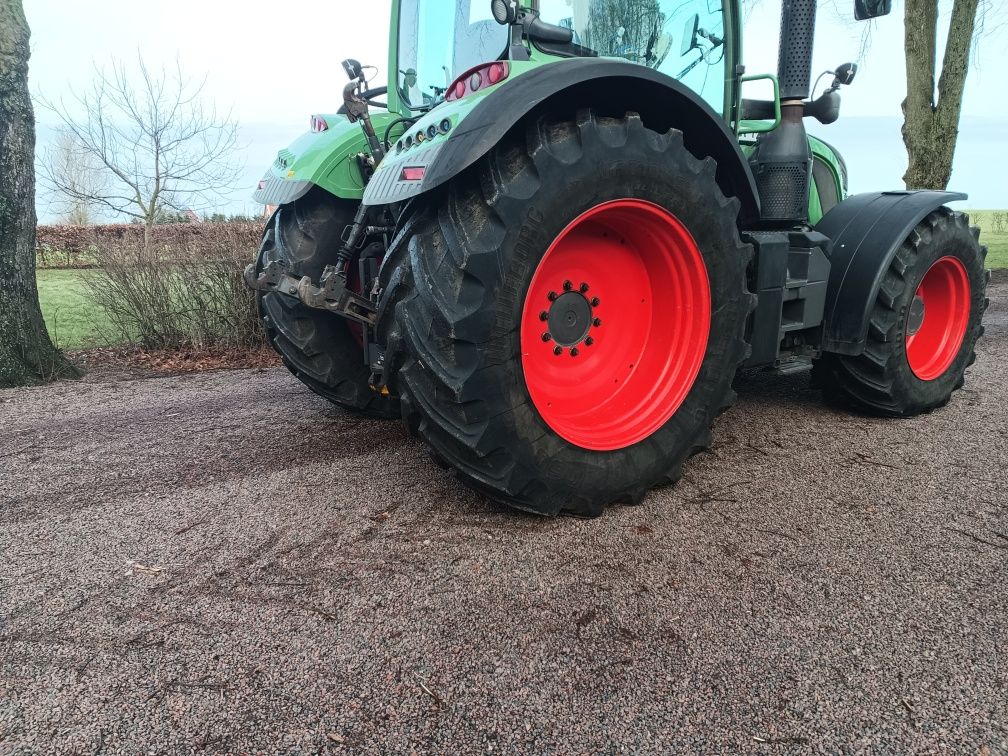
(553, 239)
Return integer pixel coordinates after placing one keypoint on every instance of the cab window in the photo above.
(682, 38)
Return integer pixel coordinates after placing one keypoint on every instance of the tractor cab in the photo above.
(439, 40)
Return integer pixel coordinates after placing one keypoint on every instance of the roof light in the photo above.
(318, 124)
(413, 173)
(475, 79)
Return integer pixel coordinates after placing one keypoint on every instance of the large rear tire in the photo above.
(923, 328)
(563, 322)
(322, 350)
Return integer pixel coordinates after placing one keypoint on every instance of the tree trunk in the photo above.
(27, 355)
(930, 126)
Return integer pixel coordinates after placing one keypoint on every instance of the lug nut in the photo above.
(544, 315)
(557, 351)
(596, 322)
(546, 336)
(574, 351)
(551, 296)
(589, 341)
(568, 285)
(583, 288)
(594, 301)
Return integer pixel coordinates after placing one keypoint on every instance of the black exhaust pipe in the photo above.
(782, 161)
(794, 61)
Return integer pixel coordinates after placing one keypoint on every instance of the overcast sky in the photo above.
(276, 63)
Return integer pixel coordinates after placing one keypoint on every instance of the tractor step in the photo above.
(793, 366)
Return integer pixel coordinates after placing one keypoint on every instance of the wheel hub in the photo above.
(569, 318)
(915, 318)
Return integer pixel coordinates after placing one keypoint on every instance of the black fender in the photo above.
(610, 87)
(866, 231)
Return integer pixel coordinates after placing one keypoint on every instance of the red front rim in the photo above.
(937, 321)
(615, 324)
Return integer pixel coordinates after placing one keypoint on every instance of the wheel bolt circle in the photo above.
(574, 352)
(583, 288)
(546, 336)
(552, 296)
(596, 322)
(558, 350)
(589, 341)
(594, 301)
(543, 315)
(567, 285)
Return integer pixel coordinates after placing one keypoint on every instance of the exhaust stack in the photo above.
(782, 161)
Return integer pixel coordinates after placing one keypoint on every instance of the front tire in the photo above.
(569, 315)
(923, 328)
(322, 350)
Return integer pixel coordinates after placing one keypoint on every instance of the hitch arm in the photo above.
(332, 295)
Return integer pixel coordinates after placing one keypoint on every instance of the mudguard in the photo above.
(866, 231)
(326, 158)
(480, 121)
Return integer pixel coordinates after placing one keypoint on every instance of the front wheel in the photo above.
(570, 314)
(924, 325)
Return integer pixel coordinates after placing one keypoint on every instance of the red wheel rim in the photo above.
(615, 325)
(938, 317)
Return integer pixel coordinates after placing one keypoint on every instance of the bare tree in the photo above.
(930, 117)
(154, 142)
(67, 163)
(27, 354)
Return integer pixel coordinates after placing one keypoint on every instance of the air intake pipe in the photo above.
(782, 161)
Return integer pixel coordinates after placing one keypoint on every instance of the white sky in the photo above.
(276, 63)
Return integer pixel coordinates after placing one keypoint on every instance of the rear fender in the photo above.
(866, 231)
(612, 87)
(326, 159)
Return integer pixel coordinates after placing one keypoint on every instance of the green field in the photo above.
(994, 235)
(72, 320)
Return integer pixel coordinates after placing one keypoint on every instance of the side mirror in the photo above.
(845, 74)
(353, 69)
(505, 12)
(866, 9)
(689, 40)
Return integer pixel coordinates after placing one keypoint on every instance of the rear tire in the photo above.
(319, 348)
(460, 314)
(923, 328)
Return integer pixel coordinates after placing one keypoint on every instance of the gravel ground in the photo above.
(222, 562)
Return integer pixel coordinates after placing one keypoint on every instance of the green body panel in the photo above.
(327, 158)
(822, 150)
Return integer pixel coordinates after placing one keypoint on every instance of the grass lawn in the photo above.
(997, 249)
(996, 241)
(72, 320)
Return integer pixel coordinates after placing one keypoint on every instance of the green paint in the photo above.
(328, 158)
(822, 150)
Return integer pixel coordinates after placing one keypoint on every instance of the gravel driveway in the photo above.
(222, 562)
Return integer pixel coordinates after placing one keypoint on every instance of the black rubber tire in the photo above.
(317, 347)
(455, 282)
(880, 380)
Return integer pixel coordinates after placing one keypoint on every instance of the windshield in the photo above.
(433, 52)
(681, 38)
